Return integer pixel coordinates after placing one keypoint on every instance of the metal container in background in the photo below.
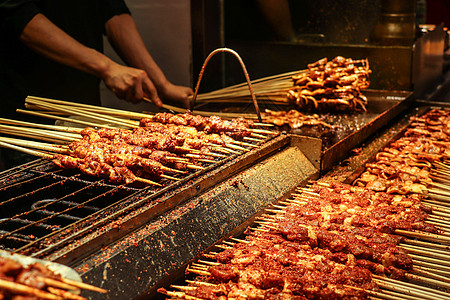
(396, 24)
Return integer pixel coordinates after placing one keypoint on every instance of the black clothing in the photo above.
(23, 72)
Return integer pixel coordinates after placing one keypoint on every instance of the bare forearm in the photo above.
(126, 40)
(42, 36)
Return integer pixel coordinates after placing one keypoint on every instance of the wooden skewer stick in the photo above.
(244, 144)
(436, 253)
(264, 124)
(439, 225)
(382, 295)
(30, 132)
(64, 294)
(84, 286)
(436, 202)
(414, 290)
(169, 177)
(83, 113)
(22, 289)
(199, 266)
(432, 273)
(212, 263)
(143, 180)
(199, 283)
(198, 272)
(56, 283)
(436, 261)
(240, 241)
(223, 247)
(37, 125)
(183, 287)
(35, 145)
(253, 139)
(236, 147)
(94, 108)
(25, 150)
(262, 131)
(425, 235)
(167, 169)
(180, 295)
(426, 244)
(431, 265)
(257, 135)
(71, 120)
(428, 281)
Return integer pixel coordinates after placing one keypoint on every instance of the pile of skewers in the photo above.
(417, 162)
(329, 241)
(334, 85)
(151, 149)
(37, 281)
(326, 86)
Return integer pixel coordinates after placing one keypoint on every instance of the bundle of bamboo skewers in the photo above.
(66, 141)
(326, 85)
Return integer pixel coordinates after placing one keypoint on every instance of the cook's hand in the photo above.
(131, 84)
(176, 93)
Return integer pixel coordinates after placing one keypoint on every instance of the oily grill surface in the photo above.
(64, 215)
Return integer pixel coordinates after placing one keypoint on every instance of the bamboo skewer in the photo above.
(57, 283)
(36, 145)
(37, 133)
(432, 273)
(413, 290)
(26, 290)
(83, 113)
(71, 120)
(64, 294)
(44, 126)
(93, 108)
(424, 235)
(431, 265)
(84, 286)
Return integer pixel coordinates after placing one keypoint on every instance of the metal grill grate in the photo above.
(38, 203)
(52, 213)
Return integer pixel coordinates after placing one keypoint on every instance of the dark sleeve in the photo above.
(15, 15)
(113, 8)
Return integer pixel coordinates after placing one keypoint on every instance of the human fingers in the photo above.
(151, 92)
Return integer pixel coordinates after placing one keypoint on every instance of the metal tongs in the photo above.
(244, 69)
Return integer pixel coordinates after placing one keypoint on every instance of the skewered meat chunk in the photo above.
(331, 85)
(325, 244)
(293, 118)
(236, 128)
(406, 165)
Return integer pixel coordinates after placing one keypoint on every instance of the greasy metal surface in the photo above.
(383, 106)
(354, 164)
(156, 253)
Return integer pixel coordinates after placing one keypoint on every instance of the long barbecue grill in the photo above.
(131, 239)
